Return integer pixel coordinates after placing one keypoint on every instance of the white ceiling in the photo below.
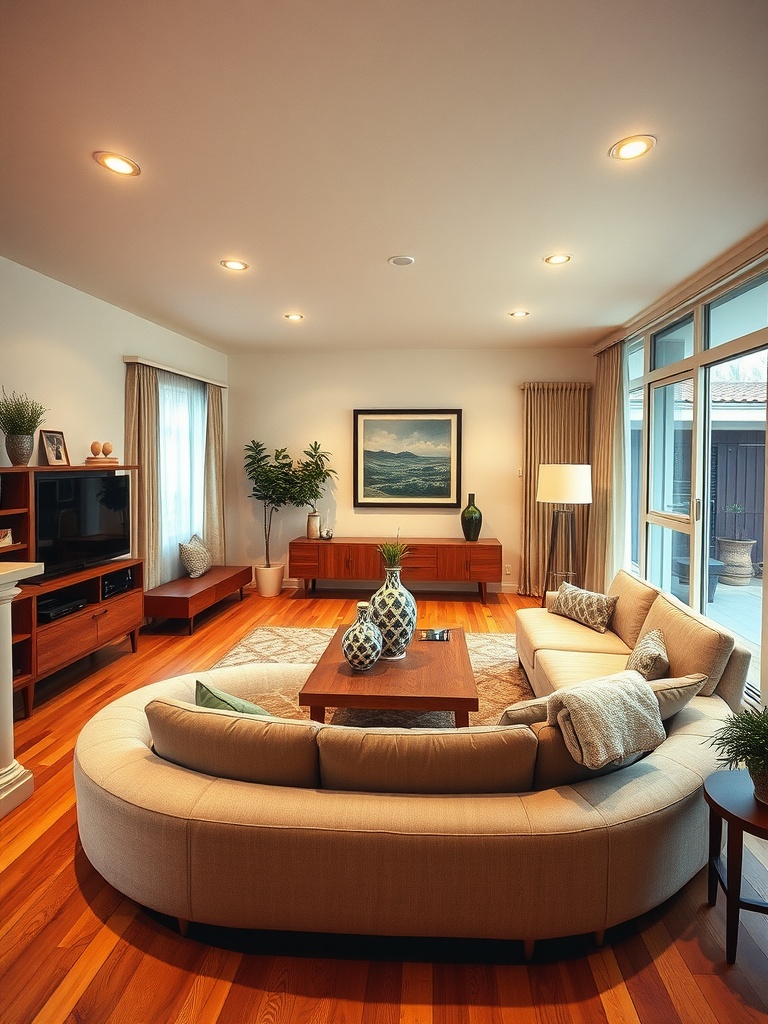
(316, 138)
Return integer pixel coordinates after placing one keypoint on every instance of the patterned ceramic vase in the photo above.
(361, 644)
(393, 609)
(19, 448)
(471, 520)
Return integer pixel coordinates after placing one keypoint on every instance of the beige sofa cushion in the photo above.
(538, 630)
(228, 745)
(478, 760)
(694, 644)
(564, 668)
(635, 598)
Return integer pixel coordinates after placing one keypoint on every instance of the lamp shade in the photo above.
(565, 485)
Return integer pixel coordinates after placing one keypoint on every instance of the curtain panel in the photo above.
(605, 543)
(555, 430)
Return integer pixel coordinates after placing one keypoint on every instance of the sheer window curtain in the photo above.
(555, 430)
(606, 543)
(174, 433)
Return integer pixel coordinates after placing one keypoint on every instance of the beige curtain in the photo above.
(608, 513)
(213, 514)
(555, 430)
(142, 446)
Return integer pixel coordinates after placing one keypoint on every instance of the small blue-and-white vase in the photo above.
(361, 643)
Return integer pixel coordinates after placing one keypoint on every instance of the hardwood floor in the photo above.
(73, 949)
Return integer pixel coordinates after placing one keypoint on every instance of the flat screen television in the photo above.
(81, 519)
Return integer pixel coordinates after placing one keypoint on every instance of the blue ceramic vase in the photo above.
(361, 643)
(393, 609)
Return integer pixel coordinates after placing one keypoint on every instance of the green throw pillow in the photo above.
(207, 696)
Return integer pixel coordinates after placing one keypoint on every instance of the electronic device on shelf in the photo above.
(51, 608)
(82, 518)
(118, 582)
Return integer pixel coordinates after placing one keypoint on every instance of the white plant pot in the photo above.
(269, 579)
(313, 526)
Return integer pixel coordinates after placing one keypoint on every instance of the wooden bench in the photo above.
(187, 597)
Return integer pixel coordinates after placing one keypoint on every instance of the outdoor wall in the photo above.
(290, 401)
(65, 349)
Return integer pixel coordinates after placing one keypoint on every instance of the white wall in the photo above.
(291, 401)
(65, 349)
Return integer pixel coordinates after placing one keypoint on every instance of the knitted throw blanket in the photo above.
(604, 720)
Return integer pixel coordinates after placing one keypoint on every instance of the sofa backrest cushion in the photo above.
(635, 598)
(694, 644)
(228, 745)
(475, 760)
(672, 695)
(554, 764)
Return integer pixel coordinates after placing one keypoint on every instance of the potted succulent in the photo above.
(20, 416)
(278, 481)
(744, 740)
(735, 551)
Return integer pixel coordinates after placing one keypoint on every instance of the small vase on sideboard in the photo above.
(471, 520)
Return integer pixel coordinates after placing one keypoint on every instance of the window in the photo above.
(672, 344)
(737, 313)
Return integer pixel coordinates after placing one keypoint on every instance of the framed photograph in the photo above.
(54, 447)
(409, 458)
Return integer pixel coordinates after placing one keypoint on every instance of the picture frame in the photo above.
(407, 458)
(54, 447)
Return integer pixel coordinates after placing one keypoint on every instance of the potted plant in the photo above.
(735, 551)
(744, 740)
(312, 474)
(278, 481)
(20, 416)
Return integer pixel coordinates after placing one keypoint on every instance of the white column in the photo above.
(16, 783)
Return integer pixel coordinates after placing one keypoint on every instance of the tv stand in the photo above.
(103, 602)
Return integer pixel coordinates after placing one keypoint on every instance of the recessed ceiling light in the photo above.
(632, 147)
(557, 258)
(118, 164)
(234, 265)
(401, 261)
(293, 316)
(518, 314)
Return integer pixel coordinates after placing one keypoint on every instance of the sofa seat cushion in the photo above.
(538, 630)
(564, 668)
(228, 745)
(635, 597)
(694, 644)
(485, 759)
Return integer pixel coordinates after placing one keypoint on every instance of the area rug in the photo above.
(500, 680)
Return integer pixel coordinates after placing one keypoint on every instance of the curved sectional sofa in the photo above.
(217, 817)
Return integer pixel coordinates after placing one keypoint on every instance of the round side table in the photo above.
(731, 798)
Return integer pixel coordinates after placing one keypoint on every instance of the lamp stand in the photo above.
(567, 517)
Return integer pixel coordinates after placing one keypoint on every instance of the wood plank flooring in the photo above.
(72, 949)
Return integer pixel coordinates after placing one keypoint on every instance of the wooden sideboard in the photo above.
(429, 560)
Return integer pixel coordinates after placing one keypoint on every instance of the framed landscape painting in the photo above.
(409, 458)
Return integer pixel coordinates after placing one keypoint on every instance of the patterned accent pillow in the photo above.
(584, 606)
(195, 556)
(649, 657)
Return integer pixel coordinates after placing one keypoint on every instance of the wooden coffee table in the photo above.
(435, 675)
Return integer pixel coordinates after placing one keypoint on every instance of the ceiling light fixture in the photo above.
(293, 316)
(118, 164)
(557, 258)
(632, 147)
(234, 265)
(518, 314)
(401, 261)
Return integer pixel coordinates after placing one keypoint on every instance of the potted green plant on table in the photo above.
(736, 548)
(312, 475)
(277, 480)
(744, 740)
(20, 416)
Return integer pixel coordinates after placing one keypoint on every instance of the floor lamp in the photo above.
(564, 486)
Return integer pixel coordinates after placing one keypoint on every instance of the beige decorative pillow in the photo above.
(649, 657)
(195, 556)
(674, 694)
(584, 606)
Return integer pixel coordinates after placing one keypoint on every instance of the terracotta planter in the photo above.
(269, 579)
(737, 556)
